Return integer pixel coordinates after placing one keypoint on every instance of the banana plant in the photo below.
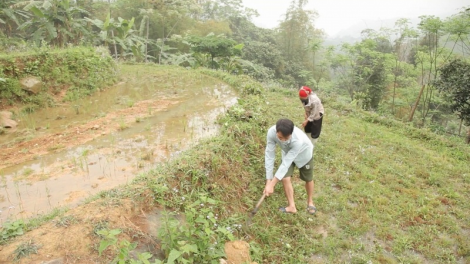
(120, 34)
(58, 22)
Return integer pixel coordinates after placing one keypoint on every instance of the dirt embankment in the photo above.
(72, 238)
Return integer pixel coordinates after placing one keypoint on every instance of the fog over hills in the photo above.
(353, 33)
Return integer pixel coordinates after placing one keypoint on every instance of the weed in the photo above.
(27, 171)
(11, 229)
(25, 249)
(123, 248)
(66, 221)
(99, 226)
(109, 238)
(122, 124)
(200, 238)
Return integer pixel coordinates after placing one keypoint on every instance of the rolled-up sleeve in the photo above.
(311, 113)
(270, 154)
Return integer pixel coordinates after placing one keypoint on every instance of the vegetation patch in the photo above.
(63, 75)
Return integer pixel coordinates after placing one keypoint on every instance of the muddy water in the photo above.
(67, 177)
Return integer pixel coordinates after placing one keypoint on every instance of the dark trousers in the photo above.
(314, 127)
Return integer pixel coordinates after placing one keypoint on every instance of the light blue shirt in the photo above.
(299, 150)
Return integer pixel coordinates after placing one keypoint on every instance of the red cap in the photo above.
(304, 91)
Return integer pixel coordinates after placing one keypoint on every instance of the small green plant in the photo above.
(85, 153)
(122, 124)
(123, 247)
(27, 171)
(109, 238)
(25, 249)
(66, 221)
(200, 240)
(11, 229)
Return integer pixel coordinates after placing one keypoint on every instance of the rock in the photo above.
(31, 84)
(237, 252)
(6, 121)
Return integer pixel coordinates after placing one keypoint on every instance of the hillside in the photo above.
(385, 193)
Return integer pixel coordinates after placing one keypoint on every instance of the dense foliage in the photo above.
(391, 70)
(454, 82)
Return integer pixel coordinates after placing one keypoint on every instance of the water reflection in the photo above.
(67, 177)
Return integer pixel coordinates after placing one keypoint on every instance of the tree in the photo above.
(454, 83)
(400, 67)
(214, 46)
(427, 58)
(225, 9)
(458, 27)
(120, 33)
(297, 31)
(364, 72)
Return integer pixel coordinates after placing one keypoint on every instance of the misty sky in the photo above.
(335, 15)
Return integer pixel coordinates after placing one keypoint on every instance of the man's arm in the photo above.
(281, 172)
(269, 155)
(287, 160)
(315, 111)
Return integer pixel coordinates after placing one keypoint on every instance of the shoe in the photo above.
(283, 210)
(314, 140)
(311, 209)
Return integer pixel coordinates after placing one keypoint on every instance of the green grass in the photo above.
(385, 191)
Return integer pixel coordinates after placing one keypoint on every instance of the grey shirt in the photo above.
(314, 107)
(299, 151)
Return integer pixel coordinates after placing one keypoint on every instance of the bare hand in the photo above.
(269, 188)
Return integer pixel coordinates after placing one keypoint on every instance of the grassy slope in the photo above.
(385, 192)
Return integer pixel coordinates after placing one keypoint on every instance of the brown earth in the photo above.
(78, 135)
(72, 238)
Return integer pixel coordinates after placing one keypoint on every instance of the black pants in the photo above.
(314, 127)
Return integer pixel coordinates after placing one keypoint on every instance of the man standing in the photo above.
(296, 150)
(314, 112)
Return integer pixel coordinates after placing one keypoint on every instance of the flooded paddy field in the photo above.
(59, 156)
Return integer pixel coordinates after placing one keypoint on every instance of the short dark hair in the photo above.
(285, 126)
